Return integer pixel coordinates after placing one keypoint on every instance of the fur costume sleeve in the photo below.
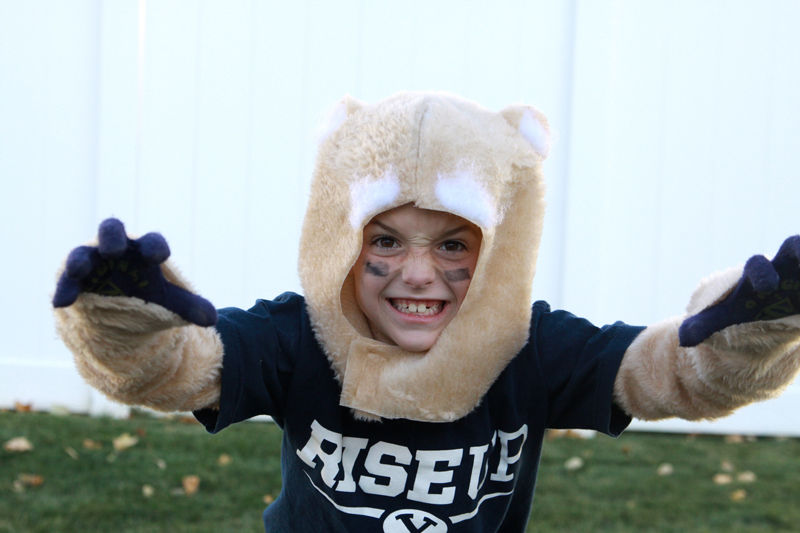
(740, 364)
(137, 346)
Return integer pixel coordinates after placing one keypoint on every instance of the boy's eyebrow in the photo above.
(384, 226)
(454, 231)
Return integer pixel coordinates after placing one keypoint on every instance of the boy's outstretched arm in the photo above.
(138, 334)
(738, 343)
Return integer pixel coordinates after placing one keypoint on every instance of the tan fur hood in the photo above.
(442, 153)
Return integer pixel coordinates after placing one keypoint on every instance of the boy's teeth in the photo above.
(416, 308)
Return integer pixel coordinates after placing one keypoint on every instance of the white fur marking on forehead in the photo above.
(464, 196)
(330, 123)
(535, 132)
(369, 196)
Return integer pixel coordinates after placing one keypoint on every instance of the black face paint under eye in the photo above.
(462, 274)
(377, 269)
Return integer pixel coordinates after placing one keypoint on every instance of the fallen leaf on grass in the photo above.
(23, 407)
(727, 466)
(665, 469)
(71, 452)
(190, 484)
(161, 464)
(745, 477)
(148, 491)
(723, 479)
(27, 480)
(574, 463)
(734, 439)
(224, 460)
(268, 499)
(89, 444)
(18, 444)
(124, 441)
(738, 495)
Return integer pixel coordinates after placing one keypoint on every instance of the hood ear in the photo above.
(531, 124)
(346, 107)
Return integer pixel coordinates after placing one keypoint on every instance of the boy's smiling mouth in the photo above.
(417, 307)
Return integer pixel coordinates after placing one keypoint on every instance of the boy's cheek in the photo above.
(379, 269)
(457, 275)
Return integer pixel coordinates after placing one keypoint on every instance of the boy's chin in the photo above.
(416, 343)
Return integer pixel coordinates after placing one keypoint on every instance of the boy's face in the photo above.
(413, 273)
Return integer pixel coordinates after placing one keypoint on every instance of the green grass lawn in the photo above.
(87, 486)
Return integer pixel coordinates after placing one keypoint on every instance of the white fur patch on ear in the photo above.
(330, 123)
(535, 132)
(371, 196)
(463, 195)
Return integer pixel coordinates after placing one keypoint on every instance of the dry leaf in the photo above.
(723, 479)
(89, 444)
(148, 491)
(161, 464)
(224, 460)
(31, 480)
(23, 407)
(727, 466)
(746, 477)
(124, 441)
(190, 484)
(665, 469)
(268, 499)
(71, 452)
(734, 439)
(18, 444)
(738, 495)
(574, 463)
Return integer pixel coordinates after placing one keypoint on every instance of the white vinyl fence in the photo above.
(676, 123)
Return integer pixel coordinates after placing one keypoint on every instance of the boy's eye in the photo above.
(385, 242)
(452, 246)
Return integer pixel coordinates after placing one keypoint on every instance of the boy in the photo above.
(414, 382)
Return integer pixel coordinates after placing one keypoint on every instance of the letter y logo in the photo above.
(413, 521)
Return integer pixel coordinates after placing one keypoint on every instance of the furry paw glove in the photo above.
(133, 325)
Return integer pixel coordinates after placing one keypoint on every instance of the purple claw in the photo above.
(112, 239)
(80, 262)
(761, 274)
(154, 248)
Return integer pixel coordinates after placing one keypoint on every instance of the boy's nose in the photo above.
(419, 271)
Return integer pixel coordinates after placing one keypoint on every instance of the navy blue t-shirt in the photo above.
(476, 474)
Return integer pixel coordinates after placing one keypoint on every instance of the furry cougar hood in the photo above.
(443, 153)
